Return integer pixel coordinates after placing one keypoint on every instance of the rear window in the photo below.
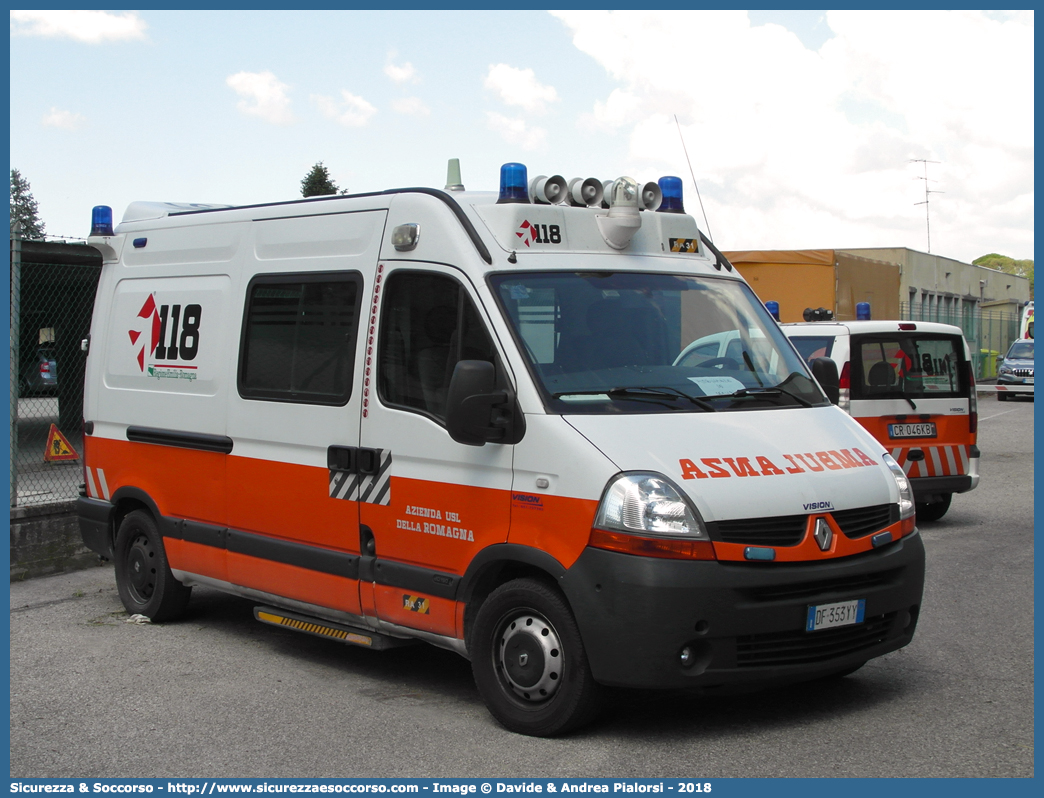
(813, 346)
(894, 366)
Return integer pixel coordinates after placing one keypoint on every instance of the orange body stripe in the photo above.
(561, 528)
(441, 617)
(291, 502)
(195, 558)
(291, 581)
(184, 483)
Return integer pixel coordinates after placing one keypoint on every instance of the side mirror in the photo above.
(825, 371)
(476, 411)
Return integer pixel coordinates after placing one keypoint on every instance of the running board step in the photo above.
(329, 630)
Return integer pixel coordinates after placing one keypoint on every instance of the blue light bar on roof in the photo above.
(101, 221)
(671, 188)
(514, 183)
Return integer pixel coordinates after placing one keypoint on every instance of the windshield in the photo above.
(1021, 350)
(612, 342)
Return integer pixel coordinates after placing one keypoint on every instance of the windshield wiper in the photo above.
(663, 391)
(907, 398)
(640, 392)
(778, 390)
(754, 371)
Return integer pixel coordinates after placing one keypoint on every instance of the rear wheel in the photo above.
(933, 511)
(529, 661)
(143, 577)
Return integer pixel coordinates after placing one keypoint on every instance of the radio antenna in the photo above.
(694, 183)
(927, 191)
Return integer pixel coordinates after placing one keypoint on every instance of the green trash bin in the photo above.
(988, 364)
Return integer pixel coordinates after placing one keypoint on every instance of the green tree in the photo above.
(24, 208)
(1022, 268)
(317, 183)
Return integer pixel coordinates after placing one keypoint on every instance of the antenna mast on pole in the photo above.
(927, 191)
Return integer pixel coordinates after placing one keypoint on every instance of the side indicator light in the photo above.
(881, 539)
(759, 553)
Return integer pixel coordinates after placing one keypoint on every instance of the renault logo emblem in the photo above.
(523, 660)
(823, 535)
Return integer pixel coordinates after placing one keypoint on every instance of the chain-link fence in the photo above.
(989, 333)
(52, 295)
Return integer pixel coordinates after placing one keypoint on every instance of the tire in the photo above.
(933, 511)
(143, 577)
(1002, 396)
(529, 662)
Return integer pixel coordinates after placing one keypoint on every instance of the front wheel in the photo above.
(529, 661)
(143, 577)
(933, 511)
(1002, 396)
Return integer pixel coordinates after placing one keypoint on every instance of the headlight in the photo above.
(906, 500)
(643, 503)
(1005, 370)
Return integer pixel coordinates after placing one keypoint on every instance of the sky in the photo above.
(790, 130)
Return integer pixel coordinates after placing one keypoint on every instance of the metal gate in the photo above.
(52, 296)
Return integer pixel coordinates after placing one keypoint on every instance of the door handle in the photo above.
(353, 459)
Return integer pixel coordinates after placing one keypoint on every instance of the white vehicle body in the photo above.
(276, 405)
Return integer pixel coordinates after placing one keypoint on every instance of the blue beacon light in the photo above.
(101, 221)
(772, 306)
(863, 311)
(671, 188)
(514, 184)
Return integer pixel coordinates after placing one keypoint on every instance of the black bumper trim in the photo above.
(95, 517)
(933, 486)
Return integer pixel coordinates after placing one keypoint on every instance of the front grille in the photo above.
(863, 521)
(797, 648)
(1022, 372)
(782, 530)
(851, 585)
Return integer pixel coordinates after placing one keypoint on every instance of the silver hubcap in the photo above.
(529, 657)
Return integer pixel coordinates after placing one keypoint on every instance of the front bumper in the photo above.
(744, 622)
(1009, 379)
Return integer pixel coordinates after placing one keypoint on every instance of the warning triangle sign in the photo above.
(58, 447)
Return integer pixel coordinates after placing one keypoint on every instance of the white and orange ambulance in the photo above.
(912, 385)
(457, 418)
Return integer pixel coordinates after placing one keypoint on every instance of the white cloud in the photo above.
(402, 74)
(63, 119)
(262, 95)
(520, 87)
(516, 131)
(794, 147)
(91, 27)
(350, 111)
(411, 106)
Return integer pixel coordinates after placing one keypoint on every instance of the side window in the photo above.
(299, 334)
(428, 323)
